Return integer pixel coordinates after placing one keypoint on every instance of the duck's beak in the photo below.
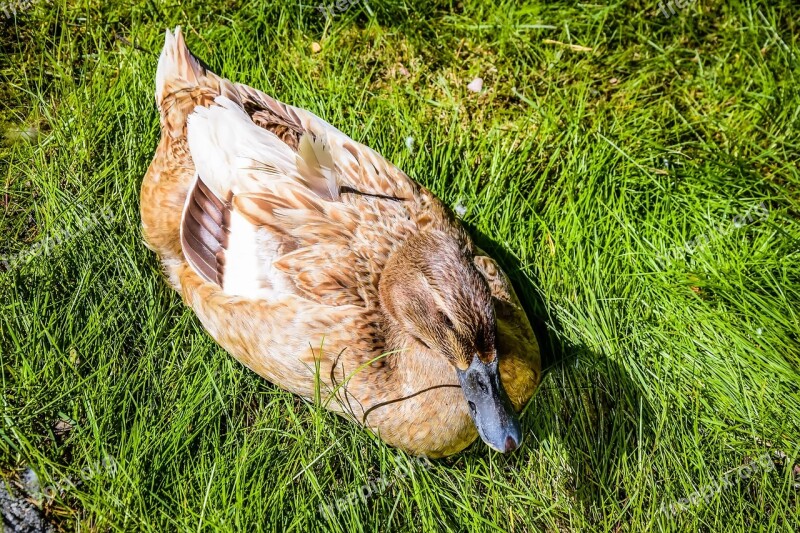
(489, 405)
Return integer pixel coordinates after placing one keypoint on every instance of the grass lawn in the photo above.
(635, 173)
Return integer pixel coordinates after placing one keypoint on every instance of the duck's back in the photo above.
(279, 200)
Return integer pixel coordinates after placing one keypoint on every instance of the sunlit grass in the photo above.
(604, 163)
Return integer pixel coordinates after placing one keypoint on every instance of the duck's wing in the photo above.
(282, 202)
(357, 168)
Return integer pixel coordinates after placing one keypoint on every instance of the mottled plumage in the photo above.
(299, 248)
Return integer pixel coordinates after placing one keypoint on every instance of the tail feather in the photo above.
(177, 67)
(183, 82)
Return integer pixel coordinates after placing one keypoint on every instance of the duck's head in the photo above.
(431, 290)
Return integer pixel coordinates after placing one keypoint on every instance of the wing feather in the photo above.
(328, 211)
(204, 234)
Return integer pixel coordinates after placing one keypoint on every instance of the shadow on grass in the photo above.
(587, 404)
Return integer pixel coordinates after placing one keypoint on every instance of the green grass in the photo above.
(587, 173)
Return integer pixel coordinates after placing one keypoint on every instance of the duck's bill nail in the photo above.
(489, 405)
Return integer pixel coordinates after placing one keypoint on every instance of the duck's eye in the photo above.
(444, 319)
(472, 407)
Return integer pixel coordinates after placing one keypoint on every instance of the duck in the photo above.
(326, 270)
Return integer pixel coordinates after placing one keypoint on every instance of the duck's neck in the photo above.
(413, 365)
(413, 399)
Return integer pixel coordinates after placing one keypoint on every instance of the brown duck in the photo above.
(322, 267)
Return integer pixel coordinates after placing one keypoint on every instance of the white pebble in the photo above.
(459, 208)
(476, 85)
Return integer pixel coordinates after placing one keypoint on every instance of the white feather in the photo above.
(227, 149)
(166, 65)
(242, 259)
